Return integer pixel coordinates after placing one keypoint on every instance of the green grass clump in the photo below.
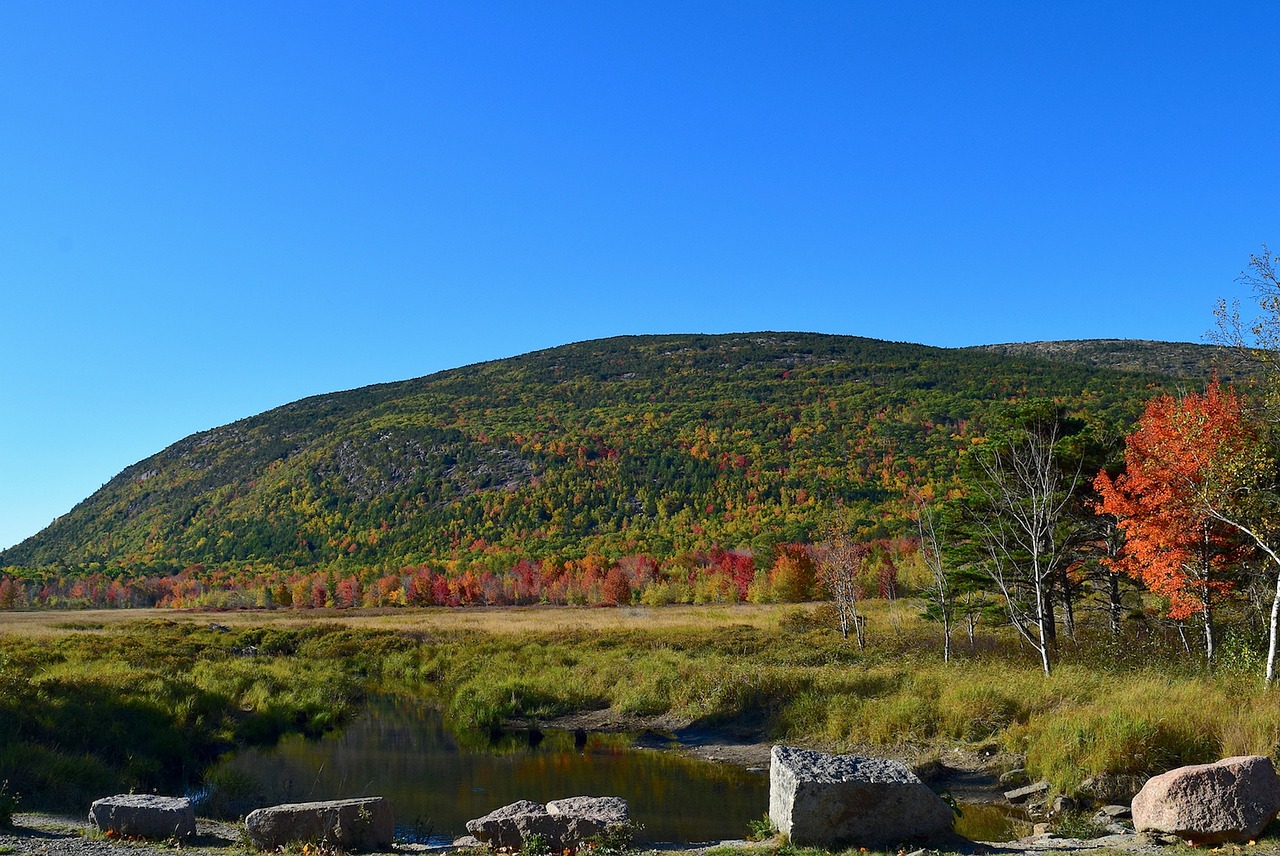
(1146, 723)
(165, 699)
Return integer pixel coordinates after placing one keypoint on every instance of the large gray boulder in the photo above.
(561, 824)
(358, 824)
(144, 816)
(829, 801)
(587, 817)
(1229, 800)
(507, 828)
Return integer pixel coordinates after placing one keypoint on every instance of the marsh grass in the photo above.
(161, 700)
(172, 693)
(1096, 714)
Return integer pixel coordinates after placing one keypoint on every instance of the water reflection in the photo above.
(402, 750)
(990, 822)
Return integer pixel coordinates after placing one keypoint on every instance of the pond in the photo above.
(402, 750)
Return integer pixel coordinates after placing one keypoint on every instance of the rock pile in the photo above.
(560, 824)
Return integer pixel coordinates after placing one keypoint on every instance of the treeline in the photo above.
(791, 574)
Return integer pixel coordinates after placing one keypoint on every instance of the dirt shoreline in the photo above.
(968, 776)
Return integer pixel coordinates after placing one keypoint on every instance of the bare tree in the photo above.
(940, 593)
(840, 561)
(1256, 348)
(1022, 501)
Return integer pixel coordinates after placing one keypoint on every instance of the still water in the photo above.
(402, 750)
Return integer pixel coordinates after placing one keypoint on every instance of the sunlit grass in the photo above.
(781, 670)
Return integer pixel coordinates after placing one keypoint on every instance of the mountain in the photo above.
(655, 444)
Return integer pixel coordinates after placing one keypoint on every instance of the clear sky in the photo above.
(208, 209)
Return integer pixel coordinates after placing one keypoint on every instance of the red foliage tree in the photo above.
(1187, 464)
(349, 592)
(8, 593)
(616, 588)
(792, 576)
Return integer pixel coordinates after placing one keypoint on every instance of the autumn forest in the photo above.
(1024, 486)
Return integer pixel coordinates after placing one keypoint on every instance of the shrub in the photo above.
(8, 805)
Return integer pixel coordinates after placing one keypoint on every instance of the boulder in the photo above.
(561, 824)
(820, 800)
(144, 816)
(587, 817)
(1230, 800)
(358, 824)
(507, 828)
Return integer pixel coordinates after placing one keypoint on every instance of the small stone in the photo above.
(1063, 805)
(1111, 787)
(1016, 778)
(1023, 794)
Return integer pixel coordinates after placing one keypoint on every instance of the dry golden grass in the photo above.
(496, 620)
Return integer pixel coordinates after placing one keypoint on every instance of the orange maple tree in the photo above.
(1187, 464)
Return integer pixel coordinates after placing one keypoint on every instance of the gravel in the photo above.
(70, 836)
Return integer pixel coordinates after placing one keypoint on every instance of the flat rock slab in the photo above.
(144, 816)
(829, 801)
(561, 824)
(1019, 795)
(1230, 800)
(358, 824)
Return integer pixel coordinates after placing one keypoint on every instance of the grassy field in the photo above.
(498, 620)
(176, 688)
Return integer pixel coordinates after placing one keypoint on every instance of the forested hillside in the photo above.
(651, 444)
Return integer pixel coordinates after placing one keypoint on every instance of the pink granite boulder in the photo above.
(1230, 800)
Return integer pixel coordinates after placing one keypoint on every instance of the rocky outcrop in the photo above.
(358, 824)
(144, 816)
(1230, 800)
(828, 801)
(560, 824)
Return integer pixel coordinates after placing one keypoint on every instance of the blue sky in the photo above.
(208, 209)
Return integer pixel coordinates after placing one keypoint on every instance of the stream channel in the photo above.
(437, 781)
